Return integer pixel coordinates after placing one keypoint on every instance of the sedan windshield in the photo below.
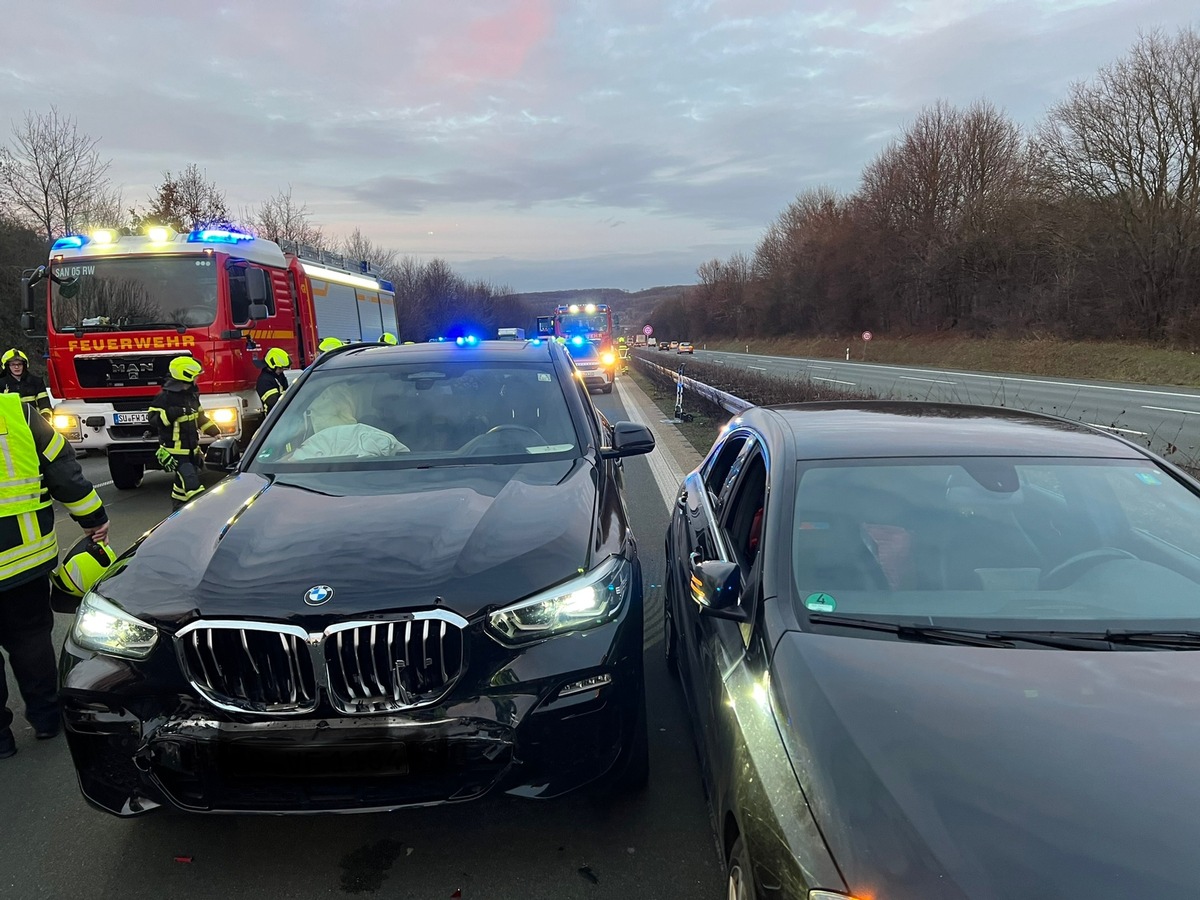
(445, 413)
(134, 293)
(1019, 542)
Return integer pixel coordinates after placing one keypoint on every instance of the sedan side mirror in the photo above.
(629, 439)
(716, 588)
(224, 454)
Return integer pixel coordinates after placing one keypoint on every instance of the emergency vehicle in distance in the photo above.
(119, 308)
(594, 323)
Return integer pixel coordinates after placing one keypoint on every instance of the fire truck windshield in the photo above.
(578, 324)
(134, 294)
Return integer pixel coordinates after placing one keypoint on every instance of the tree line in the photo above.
(54, 181)
(1085, 226)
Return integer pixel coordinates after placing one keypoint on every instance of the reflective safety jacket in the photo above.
(30, 388)
(177, 415)
(270, 386)
(36, 464)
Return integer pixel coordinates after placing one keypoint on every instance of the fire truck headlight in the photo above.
(68, 426)
(226, 418)
(608, 359)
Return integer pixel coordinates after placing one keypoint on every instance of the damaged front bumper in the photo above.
(539, 722)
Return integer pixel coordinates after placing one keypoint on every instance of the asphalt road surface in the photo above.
(1167, 419)
(658, 844)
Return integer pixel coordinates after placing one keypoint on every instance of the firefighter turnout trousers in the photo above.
(187, 478)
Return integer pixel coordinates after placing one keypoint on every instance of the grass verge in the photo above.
(1136, 363)
(705, 424)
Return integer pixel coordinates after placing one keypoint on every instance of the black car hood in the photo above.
(473, 536)
(955, 772)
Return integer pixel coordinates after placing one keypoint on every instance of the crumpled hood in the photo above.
(475, 536)
(964, 772)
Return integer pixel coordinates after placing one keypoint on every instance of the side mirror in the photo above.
(629, 439)
(224, 454)
(28, 322)
(258, 311)
(716, 587)
(27, 298)
(257, 290)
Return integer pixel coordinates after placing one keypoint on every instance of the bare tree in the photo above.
(1129, 142)
(281, 219)
(359, 247)
(51, 175)
(186, 201)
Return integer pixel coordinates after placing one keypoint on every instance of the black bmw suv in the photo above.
(419, 585)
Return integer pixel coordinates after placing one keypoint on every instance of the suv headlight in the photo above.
(103, 626)
(591, 599)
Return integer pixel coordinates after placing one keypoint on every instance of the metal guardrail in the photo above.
(727, 402)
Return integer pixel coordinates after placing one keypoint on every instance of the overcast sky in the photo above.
(541, 144)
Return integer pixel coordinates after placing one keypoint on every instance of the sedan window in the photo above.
(1080, 540)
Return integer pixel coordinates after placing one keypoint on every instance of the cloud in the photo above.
(512, 128)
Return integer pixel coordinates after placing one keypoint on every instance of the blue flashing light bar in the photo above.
(387, 286)
(70, 242)
(217, 236)
(468, 341)
(577, 341)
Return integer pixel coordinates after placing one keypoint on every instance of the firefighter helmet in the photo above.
(82, 567)
(388, 338)
(184, 368)
(277, 358)
(12, 354)
(330, 343)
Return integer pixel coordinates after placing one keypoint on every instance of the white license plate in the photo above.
(131, 418)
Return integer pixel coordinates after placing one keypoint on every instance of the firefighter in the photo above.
(272, 381)
(177, 413)
(389, 339)
(330, 343)
(39, 465)
(17, 379)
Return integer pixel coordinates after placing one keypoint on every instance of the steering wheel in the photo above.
(499, 434)
(1070, 569)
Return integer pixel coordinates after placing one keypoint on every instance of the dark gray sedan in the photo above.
(933, 652)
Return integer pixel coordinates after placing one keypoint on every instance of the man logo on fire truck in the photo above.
(118, 308)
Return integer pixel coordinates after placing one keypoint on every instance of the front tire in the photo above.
(670, 643)
(607, 389)
(738, 875)
(126, 474)
(634, 772)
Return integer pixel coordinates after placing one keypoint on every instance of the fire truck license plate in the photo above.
(131, 418)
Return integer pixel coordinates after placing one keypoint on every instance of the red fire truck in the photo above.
(591, 322)
(119, 308)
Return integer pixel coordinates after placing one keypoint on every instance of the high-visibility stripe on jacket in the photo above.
(177, 414)
(36, 464)
(30, 388)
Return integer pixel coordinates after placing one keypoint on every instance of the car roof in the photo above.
(355, 355)
(882, 429)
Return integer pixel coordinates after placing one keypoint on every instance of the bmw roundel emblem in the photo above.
(318, 594)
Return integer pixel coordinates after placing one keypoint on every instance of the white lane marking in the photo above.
(832, 380)
(878, 367)
(931, 380)
(1186, 412)
(667, 474)
(758, 368)
(1115, 428)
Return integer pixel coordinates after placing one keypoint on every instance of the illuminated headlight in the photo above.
(584, 602)
(103, 626)
(609, 359)
(68, 426)
(226, 418)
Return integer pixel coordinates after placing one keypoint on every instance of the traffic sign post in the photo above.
(866, 336)
(647, 331)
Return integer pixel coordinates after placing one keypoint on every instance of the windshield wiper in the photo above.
(144, 326)
(929, 634)
(1177, 640)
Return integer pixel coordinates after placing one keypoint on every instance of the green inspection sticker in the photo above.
(820, 602)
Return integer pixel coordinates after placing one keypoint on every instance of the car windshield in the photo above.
(575, 324)
(135, 293)
(582, 351)
(419, 414)
(1015, 541)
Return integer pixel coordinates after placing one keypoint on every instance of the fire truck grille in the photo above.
(131, 370)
